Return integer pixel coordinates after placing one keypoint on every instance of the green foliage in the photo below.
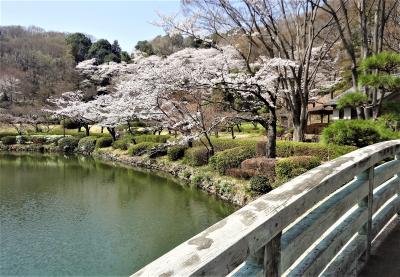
(231, 158)
(112, 58)
(6, 134)
(125, 57)
(354, 99)
(9, 140)
(152, 138)
(141, 148)
(121, 144)
(288, 168)
(176, 152)
(196, 156)
(145, 47)
(221, 144)
(378, 71)
(79, 44)
(322, 151)
(116, 51)
(260, 184)
(357, 133)
(87, 145)
(104, 142)
(385, 61)
(68, 144)
(99, 50)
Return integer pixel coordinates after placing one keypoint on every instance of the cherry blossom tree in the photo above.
(292, 30)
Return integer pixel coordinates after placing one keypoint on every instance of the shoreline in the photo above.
(216, 186)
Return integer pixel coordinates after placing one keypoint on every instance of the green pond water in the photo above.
(75, 216)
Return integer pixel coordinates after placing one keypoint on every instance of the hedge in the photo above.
(152, 138)
(176, 152)
(87, 145)
(323, 152)
(196, 156)
(141, 148)
(221, 144)
(121, 144)
(288, 168)
(231, 158)
(8, 140)
(104, 142)
(7, 134)
(260, 184)
(68, 144)
(357, 133)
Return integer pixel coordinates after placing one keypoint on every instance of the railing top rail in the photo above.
(225, 245)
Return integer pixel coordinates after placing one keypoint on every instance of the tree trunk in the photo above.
(102, 129)
(211, 150)
(271, 135)
(232, 132)
(129, 128)
(87, 128)
(299, 124)
(112, 133)
(359, 112)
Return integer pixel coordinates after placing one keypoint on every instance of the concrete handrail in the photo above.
(298, 228)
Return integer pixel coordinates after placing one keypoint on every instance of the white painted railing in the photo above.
(319, 223)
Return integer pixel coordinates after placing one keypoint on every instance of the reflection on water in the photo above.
(76, 216)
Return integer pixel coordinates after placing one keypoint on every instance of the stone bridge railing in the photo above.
(321, 222)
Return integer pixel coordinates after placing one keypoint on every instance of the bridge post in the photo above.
(367, 202)
(272, 257)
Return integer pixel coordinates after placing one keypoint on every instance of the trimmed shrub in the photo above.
(104, 142)
(38, 139)
(231, 158)
(22, 139)
(260, 184)
(196, 156)
(87, 145)
(121, 144)
(152, 138)
(263, 166)
(288, 168)
(176, 152)
(323, 152)
(357, 133)
(9, 140)
(7, 134)
(68, 144)
(141, 148)
(241, 173)
(221, 144)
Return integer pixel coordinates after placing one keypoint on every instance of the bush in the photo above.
(357, 133)
(141, 148)
(21, 139)
(8, 140)
(7, 134)
(104, 142)
(260, 184)
(176, 152)
(196, 156)
(221, 144)
(68, 144)
(323, 152)
(263, 166)
(87, 145)
(288, 168)
(152, 138)
(231, 158)
(121, 144)
(241, 173)
(38, 139)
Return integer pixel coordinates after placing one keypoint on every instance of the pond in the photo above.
(63, 215)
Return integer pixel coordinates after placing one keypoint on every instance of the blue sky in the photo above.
(126, 21)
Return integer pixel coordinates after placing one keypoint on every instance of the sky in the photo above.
(126, 21)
